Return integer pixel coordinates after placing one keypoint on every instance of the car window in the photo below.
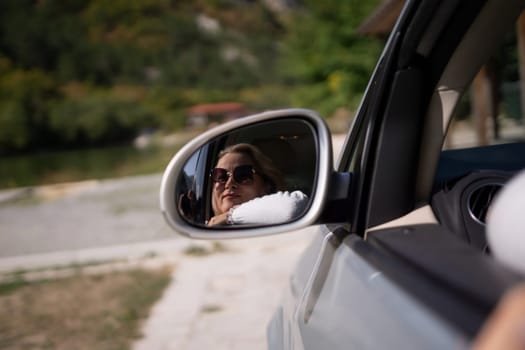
(490, 112)
(484, 146)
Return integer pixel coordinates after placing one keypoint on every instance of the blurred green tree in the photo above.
(325, 60)
(99, 119)
(25, 96)
(62, 61)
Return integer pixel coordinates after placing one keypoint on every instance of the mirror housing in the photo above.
(174, 175)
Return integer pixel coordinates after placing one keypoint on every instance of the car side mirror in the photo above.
(257, 175)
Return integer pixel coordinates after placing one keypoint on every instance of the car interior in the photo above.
(462, 178)
(467, 181)
(472, 169)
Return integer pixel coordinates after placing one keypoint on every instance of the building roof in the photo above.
(382, 20)
(216, 108)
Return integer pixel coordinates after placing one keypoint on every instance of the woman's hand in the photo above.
(220, 219)
(505, 328)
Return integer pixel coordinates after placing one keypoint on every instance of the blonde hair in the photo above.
(263, 165)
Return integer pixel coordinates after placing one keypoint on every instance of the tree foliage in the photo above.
(325, 59)
(25, 97)
(89, 72)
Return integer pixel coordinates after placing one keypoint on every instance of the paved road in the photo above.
(83, 215)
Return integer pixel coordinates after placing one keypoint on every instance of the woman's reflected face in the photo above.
(230, 193)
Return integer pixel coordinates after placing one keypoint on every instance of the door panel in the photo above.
(360, 308)
(283, 325)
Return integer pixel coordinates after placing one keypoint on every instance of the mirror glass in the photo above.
(257, 175)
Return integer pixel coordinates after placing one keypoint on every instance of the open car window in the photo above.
(484, 146)
(490, 112)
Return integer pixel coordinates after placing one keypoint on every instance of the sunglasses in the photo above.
(243, 175)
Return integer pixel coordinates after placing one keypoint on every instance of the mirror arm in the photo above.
(337, 201)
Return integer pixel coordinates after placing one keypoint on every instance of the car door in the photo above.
(408, 284)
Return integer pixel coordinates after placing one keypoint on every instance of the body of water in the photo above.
(77, 165)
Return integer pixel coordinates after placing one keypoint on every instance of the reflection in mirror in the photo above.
(257, 175)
